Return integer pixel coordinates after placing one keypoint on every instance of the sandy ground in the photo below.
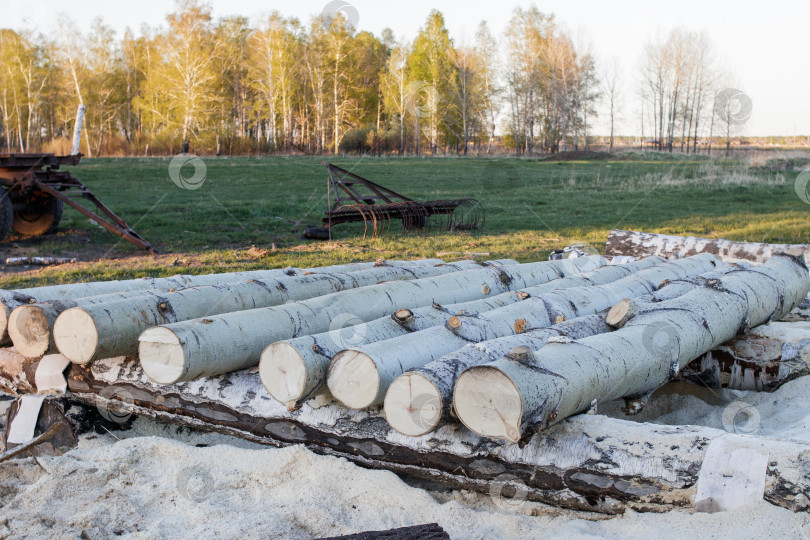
(156, 481)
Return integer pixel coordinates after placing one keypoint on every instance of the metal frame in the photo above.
(25, 173)
(384, 205)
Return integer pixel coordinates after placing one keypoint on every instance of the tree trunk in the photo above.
(762, 360)
(419, 400)
(426, 408)
(501, 399)
(294, 370)
(360, 376)
(590, 462)
(108, 329)
(223, 343)
(641, 244)
(9, 300)
(30, 325)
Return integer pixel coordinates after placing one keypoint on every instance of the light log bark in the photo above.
(294, 370)
(95, 330)
(501, 399)
(419, 400)
(641, 244)
(11, 299)
(359, 377)
(223, 343)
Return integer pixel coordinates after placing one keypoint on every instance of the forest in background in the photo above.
(221, 86)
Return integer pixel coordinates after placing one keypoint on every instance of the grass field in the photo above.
(532, 207)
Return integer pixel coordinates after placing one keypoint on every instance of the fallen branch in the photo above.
(48, 435)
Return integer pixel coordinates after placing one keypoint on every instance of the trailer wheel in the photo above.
(6, 213)
(41, 215)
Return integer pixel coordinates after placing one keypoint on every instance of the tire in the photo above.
(6, 214)
(42, 216)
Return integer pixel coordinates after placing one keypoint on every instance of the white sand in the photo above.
(156, 482)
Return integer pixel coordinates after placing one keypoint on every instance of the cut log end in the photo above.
(353, 379)
(454, 322)
(162, 355)
(488, 403)
(283, 372)
(75, 335)
(413, 405)
(617, 314)
(30, 331)
(403, 315)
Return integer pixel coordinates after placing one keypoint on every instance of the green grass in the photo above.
(532, 207)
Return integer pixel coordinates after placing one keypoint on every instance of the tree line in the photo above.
(222, 86)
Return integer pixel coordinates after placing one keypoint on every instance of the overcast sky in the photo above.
(762, 44)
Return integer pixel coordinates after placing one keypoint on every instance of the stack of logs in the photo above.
(410, 349)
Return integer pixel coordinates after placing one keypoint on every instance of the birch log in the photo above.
(293, 370)
(360, 376)
(590, 462)
(93, 330)
(418, 401)
(426, 393)
(500, 399)
(641, 244)
(11, 299)
(223, 343)
(762, 360)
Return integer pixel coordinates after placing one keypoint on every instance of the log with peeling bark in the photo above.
(590, 462)
(221, 343)
(360, 376)
(294, 370)
(762, 360)
(642, 244)
(95, 330)
(653, 343)
(11, 299)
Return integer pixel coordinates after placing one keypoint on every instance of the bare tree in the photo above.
(612, 91)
